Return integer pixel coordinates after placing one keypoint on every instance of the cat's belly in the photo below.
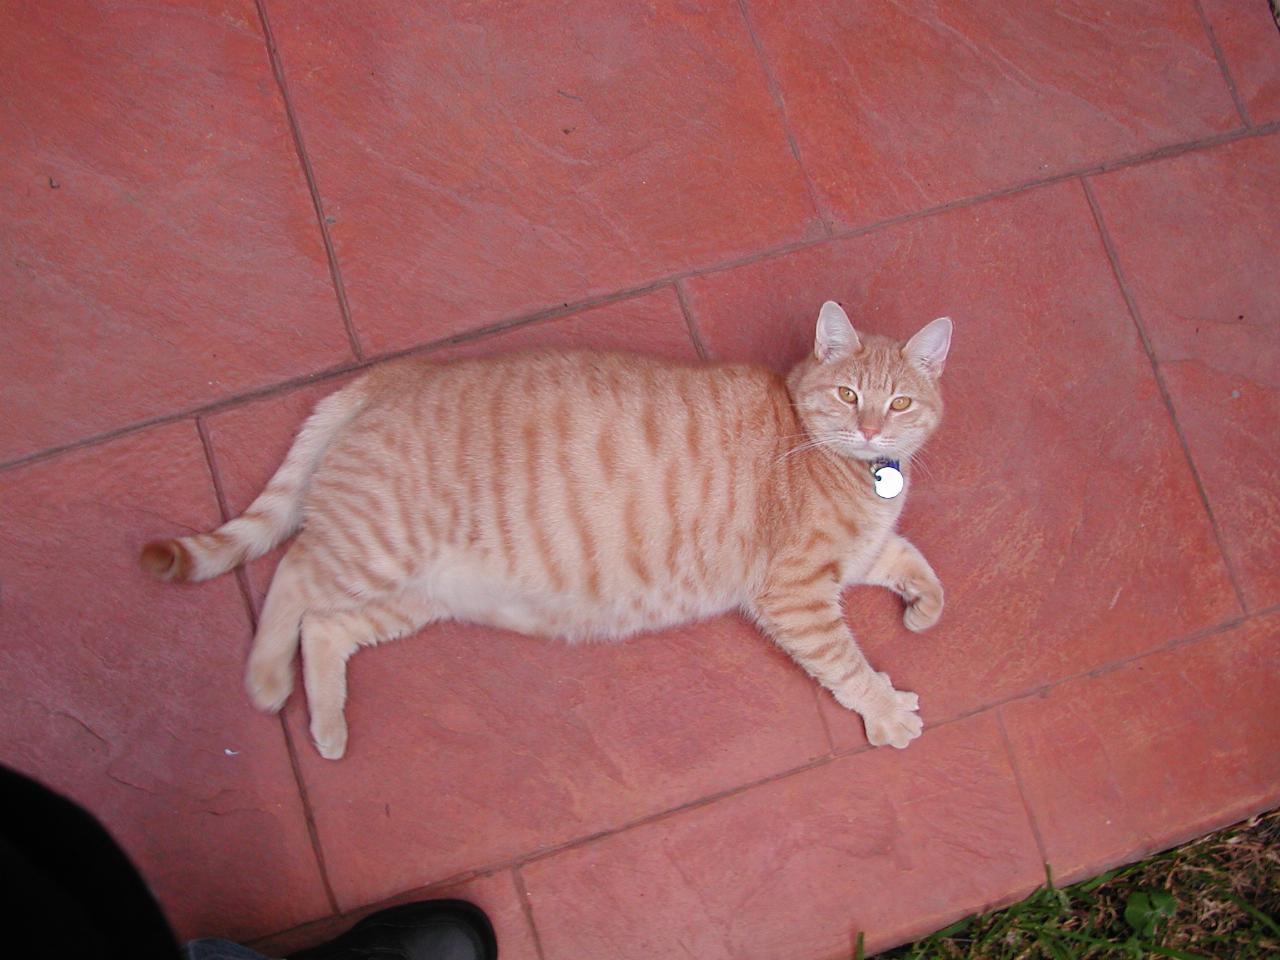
(475, 596)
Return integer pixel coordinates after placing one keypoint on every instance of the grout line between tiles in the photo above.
(775, 91)
(343, 369)
(1022, 788)
(698, 803)
(552, 850)
(203, 430)
(517, 863)
(247, 596)
(1102, 670)
(1221, 57)
(1264, 612)
(186, 413)
(522, 893)
(295, 130)
(1136, 316)
(242, 578)
(522, 860)
(818, 692)
(1180, 641)
(313, 829)
(694, 333)
(678, 278)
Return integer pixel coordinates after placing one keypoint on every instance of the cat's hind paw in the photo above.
(269, 684)
(330, 738)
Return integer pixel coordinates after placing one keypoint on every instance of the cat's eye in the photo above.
(900, 403)
(847, 395)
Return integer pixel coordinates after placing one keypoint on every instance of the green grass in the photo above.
(1217, 897)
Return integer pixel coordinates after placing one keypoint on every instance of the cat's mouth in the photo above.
(861, 449)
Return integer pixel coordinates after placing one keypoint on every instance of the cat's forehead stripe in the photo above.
(876, 380)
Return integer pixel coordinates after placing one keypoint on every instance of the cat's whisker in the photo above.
(809, 441)
(794, 450)
(917, 459)
(811, 444)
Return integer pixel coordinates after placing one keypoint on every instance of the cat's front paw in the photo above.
(896, 723)
(924, 610)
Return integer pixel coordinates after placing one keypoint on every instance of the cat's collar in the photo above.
(886, 476)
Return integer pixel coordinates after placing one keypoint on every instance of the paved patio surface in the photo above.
(213, 212)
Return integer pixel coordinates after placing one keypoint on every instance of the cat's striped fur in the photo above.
(590, 495)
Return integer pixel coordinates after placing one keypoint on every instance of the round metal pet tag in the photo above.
(888, 481)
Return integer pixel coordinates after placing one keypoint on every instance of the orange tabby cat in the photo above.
(591, 495)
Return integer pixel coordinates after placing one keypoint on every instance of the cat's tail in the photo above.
(274, 515)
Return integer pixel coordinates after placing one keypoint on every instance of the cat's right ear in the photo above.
(836, 336)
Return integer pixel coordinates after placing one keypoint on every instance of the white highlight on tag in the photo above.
(889, 483)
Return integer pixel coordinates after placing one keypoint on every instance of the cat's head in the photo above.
(866, 396)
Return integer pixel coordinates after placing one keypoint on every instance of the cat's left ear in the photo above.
(927, 350)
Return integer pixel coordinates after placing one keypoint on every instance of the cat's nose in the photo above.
(869, 433)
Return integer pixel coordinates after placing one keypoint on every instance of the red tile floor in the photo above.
(215, 211)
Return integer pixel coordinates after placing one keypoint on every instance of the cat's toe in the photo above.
(269, 685)
(896, 726)
(922, 613)
(330, 739)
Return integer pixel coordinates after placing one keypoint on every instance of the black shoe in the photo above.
(430, 930)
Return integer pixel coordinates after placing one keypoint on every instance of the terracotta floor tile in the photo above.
(651, 324)
(1198, 239)
(885, 842)
(1231, 424)
(898, 107)
(1250, 41)
(159, 245)
(481, 162)
(1049, 393)
(494, 893)
(470, 746)
(125, 693)
(1163, 749)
